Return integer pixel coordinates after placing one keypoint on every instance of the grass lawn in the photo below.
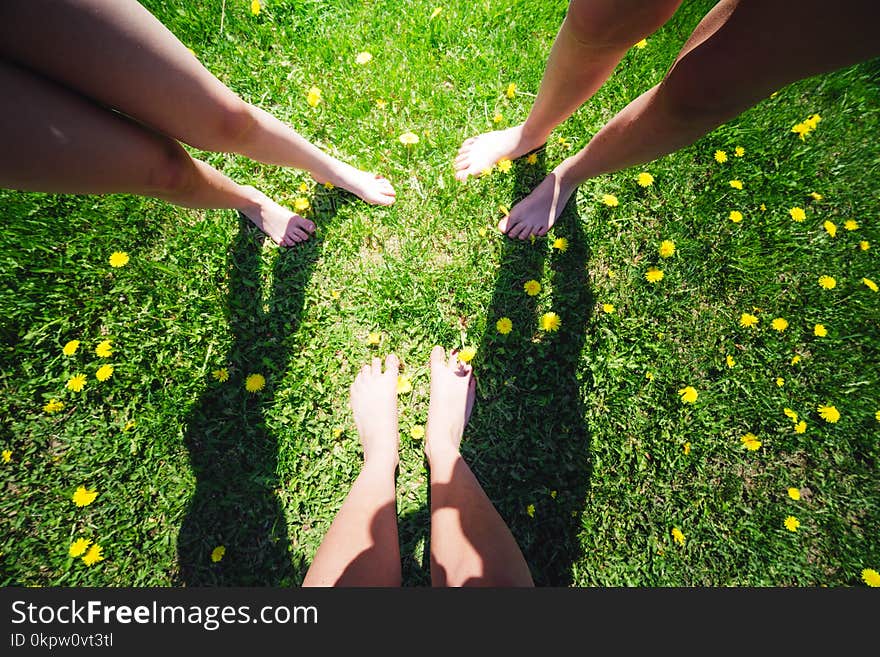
(606, 475)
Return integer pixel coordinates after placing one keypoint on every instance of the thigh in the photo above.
(743, 50)
(59, 142)
(117, 53)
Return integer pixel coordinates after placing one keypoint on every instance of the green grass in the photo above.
(566, 422)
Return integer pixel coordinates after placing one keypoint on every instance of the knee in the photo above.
(608, 24)
(226, 128)
(693, 95)
(172, 174)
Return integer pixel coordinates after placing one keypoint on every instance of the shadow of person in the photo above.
(232, 452)
(527, 441)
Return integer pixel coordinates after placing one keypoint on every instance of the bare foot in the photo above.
(452, 399)
(479, 153)
(538, 211)
(284, 227)
(374, 404)
(371, 187)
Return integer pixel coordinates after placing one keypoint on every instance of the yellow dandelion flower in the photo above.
(363, 58)
(255, 7)
(779, 324)
(53, 406)
(649, 376)
(530, 509)
(736, 184)
(762, 207)
(791, 523)
(94, 555)
(789, 413)
(820, 331)
(795, 359)
(801, 130)
(504, 165)
(532, 158)
(7, 455)
(797, 214)
(654, 275)
(816, 196)
(610, 200)
(381, 104)
(688, 394)
(313, 97)
(335, 295)
(877, 416)
(78, 547)
(641, 44)
(404, 385)
(436, 13)
(504, 325)
(417, 432)
(830, 228)
(870, 284)
(511, 90)
(608, 307)
(76, 383)
(301, 204)
(780, 381)
(736, 216)
(532, 287)
(129, 426)
(794, 493)
(667, 249)
(104, 372)
(254, 382)
(466, 355)
(747, 320)
(739, 151)
(373, 339)
(82, 496)
(828, 282)
(720, 157)
(751, 442)
(408, 138)
(864, 245)
(303, 187)
(800, 427)
(829, 413)
(118, 259)
(677, 536)
(687, 448)
(813, 121)
(497, 118)
(218, 553)
(329, 185)
(645, 179)
(550, 322)
(104, 349)
(221, 375)
(729, 360)
(70, 348)
(871, 577)
(851, 224)
(560, 243)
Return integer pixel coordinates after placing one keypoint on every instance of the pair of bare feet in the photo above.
(374, 405)
(536, 213)
(286, 228)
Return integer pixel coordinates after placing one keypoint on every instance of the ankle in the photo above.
(533, 136)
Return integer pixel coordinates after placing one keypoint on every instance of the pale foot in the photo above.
(370, 187)
(481, 152)
(284, 227)
(374, 404)
(538, 211)
(453, 389)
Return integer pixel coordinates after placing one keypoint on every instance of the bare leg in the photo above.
(739, 53)
(59, 142)
(470, 544)
(361, 547)
(593, 38)
(117, 53)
